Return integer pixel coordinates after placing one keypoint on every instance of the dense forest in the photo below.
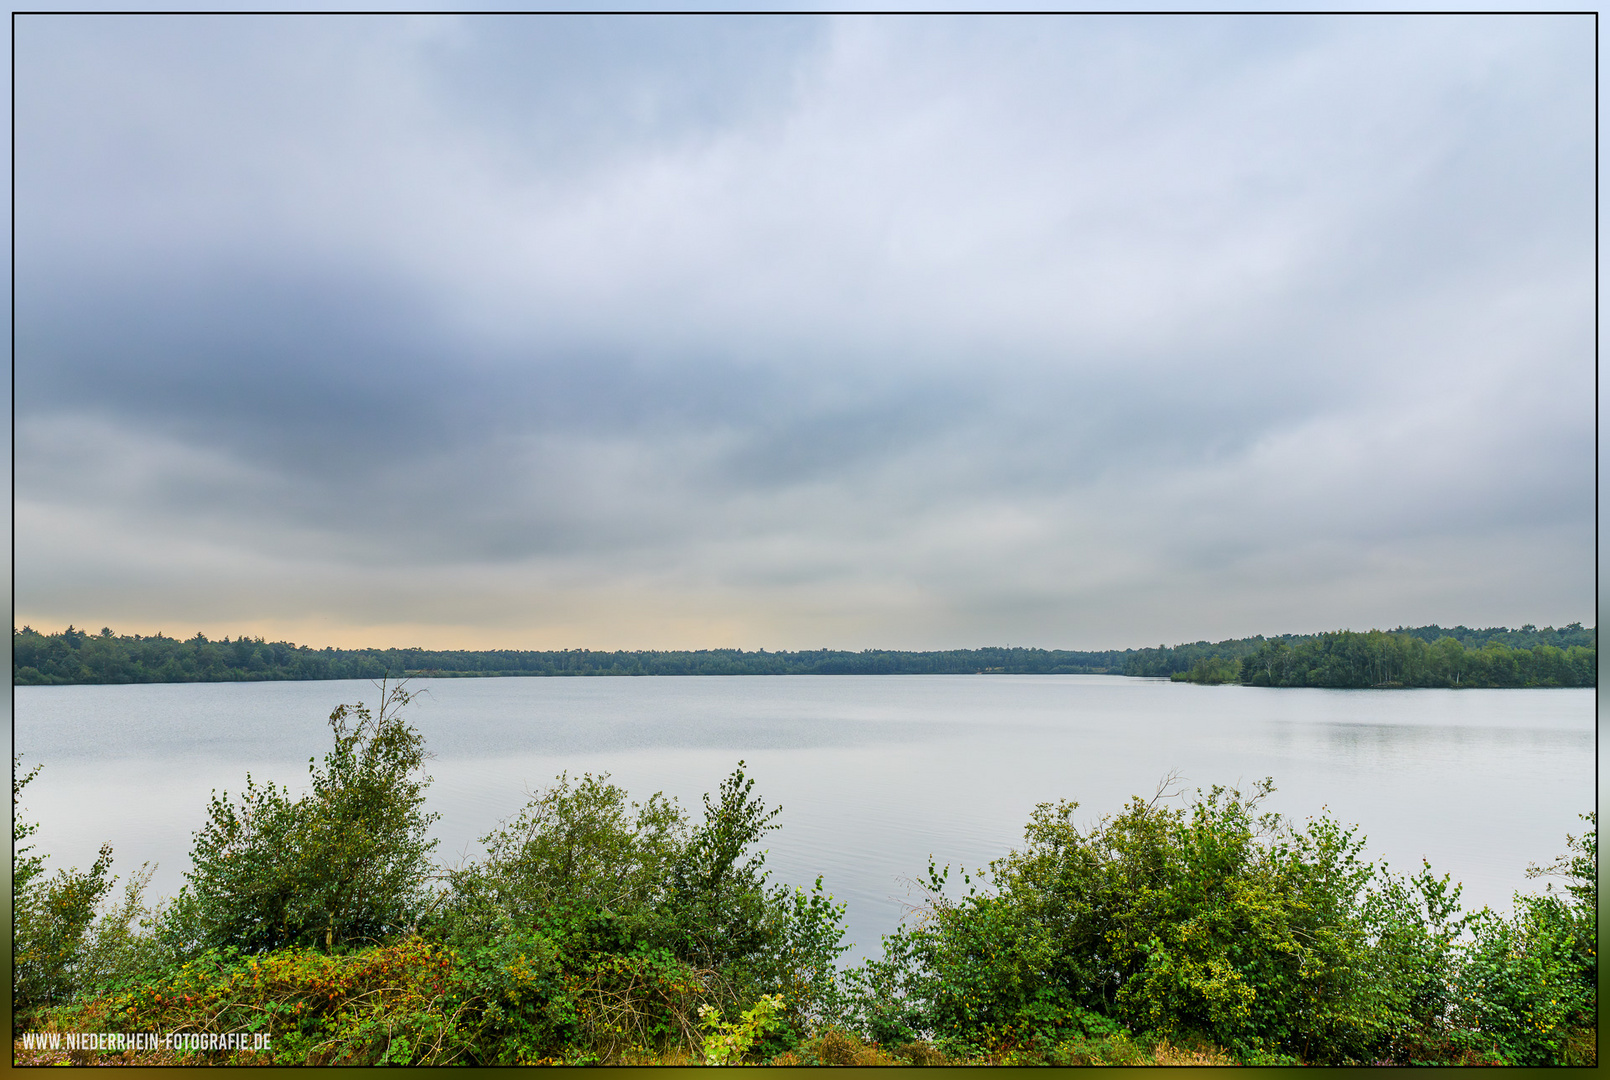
(1407, 659)
(1547, 657)
(595, 929)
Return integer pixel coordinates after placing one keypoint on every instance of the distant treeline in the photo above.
(74, 656)
(1406, 658)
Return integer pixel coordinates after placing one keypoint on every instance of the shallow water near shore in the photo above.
(874, 773)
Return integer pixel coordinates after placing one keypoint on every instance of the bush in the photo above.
(511, 992)
(643, 999)
(728, 1043)
(651, 918)
(805, 939)
(574, 845)
(1527, 992)
(759, 941)
(386, 1005)
(345, 863)
(1217, 921)
(836, 1047)
(1417, 929)
(61, 941)
(50, 933)
(594, 928)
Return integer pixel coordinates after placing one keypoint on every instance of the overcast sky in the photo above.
(802, 332)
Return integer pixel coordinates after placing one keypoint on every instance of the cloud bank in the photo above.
(801, 332)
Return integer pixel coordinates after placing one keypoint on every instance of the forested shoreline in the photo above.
(597, 929)
(1401, 660)
(1406, 656)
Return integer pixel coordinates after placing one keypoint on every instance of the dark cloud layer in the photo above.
(793, 332)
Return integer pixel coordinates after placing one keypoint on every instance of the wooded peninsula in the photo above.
(1423, 656)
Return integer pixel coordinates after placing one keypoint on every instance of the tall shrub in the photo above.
(1216, 920)
(1527, 992)
(717, 885)
(582, 842)
(51, 917)
(345, 863)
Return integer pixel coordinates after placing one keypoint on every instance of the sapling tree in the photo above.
(718, 883)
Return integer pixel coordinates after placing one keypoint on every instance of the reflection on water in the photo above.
(1382, 745)
(874, 773)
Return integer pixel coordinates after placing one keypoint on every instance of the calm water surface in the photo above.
(874, 773)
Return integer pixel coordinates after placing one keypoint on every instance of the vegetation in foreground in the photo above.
(1491, 657)
(601, 930)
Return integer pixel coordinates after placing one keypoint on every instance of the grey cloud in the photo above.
(566, 92)
(867, 323)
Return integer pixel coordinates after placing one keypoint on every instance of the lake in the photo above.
(874, 773)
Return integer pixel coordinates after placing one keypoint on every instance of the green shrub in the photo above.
(1417, 931)
(345, 863)
(805, 938)
(727, 1043)
(1527, 991)
(1217, 921)
(511, 992)
(61, 941)
(382, 1005)
(51, 930)
(24, 867)
(651, 917)
(582, 843)
(646, 999)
